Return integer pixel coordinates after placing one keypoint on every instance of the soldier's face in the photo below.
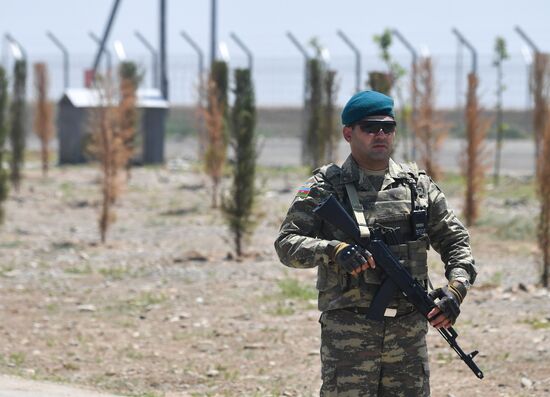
(367, 144)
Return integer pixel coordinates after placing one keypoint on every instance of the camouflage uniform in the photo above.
(363, 357)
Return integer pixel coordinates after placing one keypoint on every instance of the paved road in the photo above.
(11, 386)
(517, 155)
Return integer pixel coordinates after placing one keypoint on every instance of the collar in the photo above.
(351, 172)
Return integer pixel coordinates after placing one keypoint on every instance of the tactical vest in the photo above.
(392, 208)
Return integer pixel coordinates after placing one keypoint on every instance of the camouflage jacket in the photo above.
(304, 240)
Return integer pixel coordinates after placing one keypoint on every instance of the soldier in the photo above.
(359, 356)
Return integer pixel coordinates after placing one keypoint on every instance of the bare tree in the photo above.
(544, 196)
(501, 54)
(474, 166)
(108, 147)
(43, 118)
(130, 79)
(430, 131)
(540, 113)
(216, 151)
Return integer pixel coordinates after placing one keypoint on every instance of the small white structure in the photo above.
(73, 124)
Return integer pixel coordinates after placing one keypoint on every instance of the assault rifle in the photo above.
(395, 278)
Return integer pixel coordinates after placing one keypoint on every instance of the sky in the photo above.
(262, 26)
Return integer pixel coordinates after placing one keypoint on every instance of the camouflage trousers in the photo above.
(362, 357)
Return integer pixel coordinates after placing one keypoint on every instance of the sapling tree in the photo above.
(430, 131)
(216, 126)
(43, 117)
(108, 147)
(540, 111)
(237, 207)
(474, 166)
(315, 145)
(330, 131)
(3, 133)
(543, 169)
(18, 110)
(129, 80)
(543, 189)
(500, 55)
(384, 81)
(321, 137)
(390, 81)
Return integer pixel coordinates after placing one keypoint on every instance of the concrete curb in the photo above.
(11, 386)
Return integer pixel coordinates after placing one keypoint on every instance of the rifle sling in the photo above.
(358, 210)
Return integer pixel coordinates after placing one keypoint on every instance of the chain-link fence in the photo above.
(279, 81)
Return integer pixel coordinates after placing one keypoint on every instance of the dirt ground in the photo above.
(163, 309)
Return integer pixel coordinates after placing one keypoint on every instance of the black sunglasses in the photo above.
(373, 127)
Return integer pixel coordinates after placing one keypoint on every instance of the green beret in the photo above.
(366, 103)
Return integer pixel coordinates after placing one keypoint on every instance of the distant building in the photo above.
(73, 121)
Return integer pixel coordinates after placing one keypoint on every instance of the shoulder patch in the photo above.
(303, 192)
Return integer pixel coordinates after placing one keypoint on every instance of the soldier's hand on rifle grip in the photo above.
(353, 259)
(448, 306)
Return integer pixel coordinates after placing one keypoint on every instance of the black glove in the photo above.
(450, 297)
(351, 257)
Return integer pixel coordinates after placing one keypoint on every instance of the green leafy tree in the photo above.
(320, 102)
(237, 208)
(18, 119)
(315, 102)
(3, 133)
(330, 132)
(384, 81)
(500, 55)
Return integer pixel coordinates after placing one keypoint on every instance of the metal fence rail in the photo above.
(279, 81)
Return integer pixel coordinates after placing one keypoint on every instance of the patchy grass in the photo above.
(293, 289)
(502, 227)
(146, 299)
(114, 273)
(17, 359)
(513, 189)
(78, 270)
(452, 184)
(282, 309)
(11, 244)
(537, 323)
(5, 268)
